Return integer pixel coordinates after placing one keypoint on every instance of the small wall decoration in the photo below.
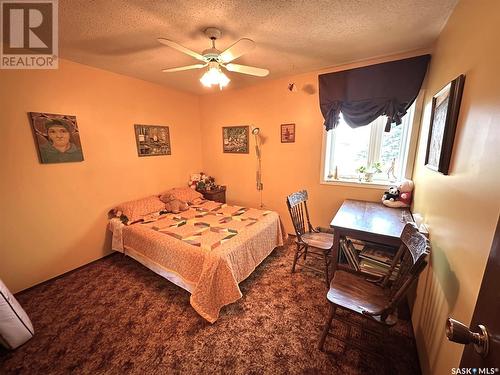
(152, 140)
(56, 137)
(287, 133)
(444, 116)
(235, 139)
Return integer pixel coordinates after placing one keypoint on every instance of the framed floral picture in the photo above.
(444, 116)
(152, 140)
(287, 133)
(57, 138)
(235, 139)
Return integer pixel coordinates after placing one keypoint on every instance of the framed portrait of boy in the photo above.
(57, 138)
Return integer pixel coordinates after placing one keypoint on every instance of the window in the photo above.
(367, 153)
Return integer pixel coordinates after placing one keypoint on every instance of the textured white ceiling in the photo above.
(292, 36)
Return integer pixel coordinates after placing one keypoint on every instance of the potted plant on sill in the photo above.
(368, 172)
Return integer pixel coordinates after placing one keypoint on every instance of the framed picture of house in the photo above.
(444, 116)
(152, 140)
(57, 138)
(287, 133)
(235, 139)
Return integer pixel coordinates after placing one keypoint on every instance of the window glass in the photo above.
(369, 149)
(391, 145)
(350, 149)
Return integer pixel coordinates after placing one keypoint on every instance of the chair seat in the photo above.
(319, 240)
(354, 292)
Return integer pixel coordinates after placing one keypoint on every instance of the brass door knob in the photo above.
(460, 333)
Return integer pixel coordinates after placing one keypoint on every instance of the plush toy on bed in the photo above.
(405, 189)
(174, 205)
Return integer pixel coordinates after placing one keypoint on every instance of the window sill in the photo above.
(358, 184)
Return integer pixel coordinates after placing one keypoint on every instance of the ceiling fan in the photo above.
(215, 59)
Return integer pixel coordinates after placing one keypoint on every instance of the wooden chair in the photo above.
(307, 236)
(379, 299)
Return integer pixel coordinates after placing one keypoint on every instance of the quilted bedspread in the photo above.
(211, 247)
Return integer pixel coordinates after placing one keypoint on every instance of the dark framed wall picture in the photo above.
(444, 116)
(152, 140)
(287, 133)
(56, 137)
(235, 139)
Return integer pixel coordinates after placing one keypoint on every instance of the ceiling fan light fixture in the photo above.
(214, 76)
(223, 80)
(216, 59)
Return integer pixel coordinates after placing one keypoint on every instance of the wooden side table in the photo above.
(216, 195)
(368, 221)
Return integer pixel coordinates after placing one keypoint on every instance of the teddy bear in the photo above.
(405, 195)
(391, 195)
(174, 205)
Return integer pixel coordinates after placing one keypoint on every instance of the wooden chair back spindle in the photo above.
(297, 207)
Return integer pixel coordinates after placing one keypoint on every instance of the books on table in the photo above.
(370, 258)
(377, 255)
(350, 253)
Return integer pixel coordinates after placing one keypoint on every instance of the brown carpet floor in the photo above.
(115, 316)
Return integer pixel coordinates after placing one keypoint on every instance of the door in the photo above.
(486, 314)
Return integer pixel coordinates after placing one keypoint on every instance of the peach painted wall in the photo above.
(286, 167)
(461, 209)
(53, 216)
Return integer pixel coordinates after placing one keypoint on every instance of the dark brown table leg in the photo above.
(335, 251)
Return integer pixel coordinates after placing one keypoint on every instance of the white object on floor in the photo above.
(116, 227)
(15, 326)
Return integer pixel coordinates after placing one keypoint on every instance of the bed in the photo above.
(207, 250)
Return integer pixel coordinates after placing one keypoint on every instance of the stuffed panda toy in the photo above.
(399, 196)
(391, 195)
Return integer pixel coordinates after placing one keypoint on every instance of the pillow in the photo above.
(15, 326)
(167, 197)
(185, 194)
(134, 211)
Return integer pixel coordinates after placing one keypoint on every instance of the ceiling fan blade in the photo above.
(180, 48)
(239, 48)
(181, 68)
(245, 69)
